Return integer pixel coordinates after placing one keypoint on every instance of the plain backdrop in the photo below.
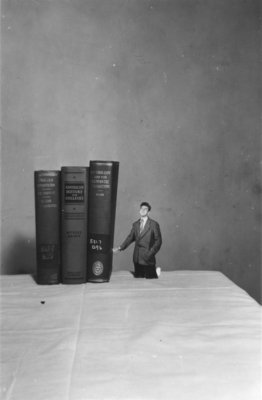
(171, 90)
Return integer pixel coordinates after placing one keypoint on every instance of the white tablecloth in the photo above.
(189, 335)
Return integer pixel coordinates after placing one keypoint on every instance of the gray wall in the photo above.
(167, 87)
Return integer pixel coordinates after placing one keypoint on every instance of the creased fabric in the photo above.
(188, 335)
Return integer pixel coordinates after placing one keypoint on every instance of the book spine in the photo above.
(47, 222)
(74, 199)
(103, 181)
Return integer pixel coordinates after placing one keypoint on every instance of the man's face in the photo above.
(144, 211)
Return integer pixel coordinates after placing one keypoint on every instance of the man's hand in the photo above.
(116, 249)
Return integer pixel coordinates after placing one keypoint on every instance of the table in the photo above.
(189, 335)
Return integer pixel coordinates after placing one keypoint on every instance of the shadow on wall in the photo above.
(20, 257)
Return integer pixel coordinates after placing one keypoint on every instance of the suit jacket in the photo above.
(147, 243)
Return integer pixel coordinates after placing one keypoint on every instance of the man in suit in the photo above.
(146, 234)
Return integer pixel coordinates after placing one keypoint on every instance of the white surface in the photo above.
(186, 336)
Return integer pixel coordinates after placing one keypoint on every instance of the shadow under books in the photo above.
(20, 257)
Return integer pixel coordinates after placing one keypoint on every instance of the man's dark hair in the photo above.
(144, 203)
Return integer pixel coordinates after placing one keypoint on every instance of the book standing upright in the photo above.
(47, 220)
(74, 204)
(103, 181)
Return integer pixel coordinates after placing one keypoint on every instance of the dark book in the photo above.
(103, 181)
(47, 222)
(74, 199)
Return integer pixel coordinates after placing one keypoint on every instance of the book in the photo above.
(47, 226)
(103, 181)
(74, 200)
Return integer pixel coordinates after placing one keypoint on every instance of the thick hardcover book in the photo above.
(103, 181)
(74, 200)
(47, 221)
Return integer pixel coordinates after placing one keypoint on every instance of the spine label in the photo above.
(101, 181)
(74, 192)
(47, 252)
(46, 193)
(98, 243)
